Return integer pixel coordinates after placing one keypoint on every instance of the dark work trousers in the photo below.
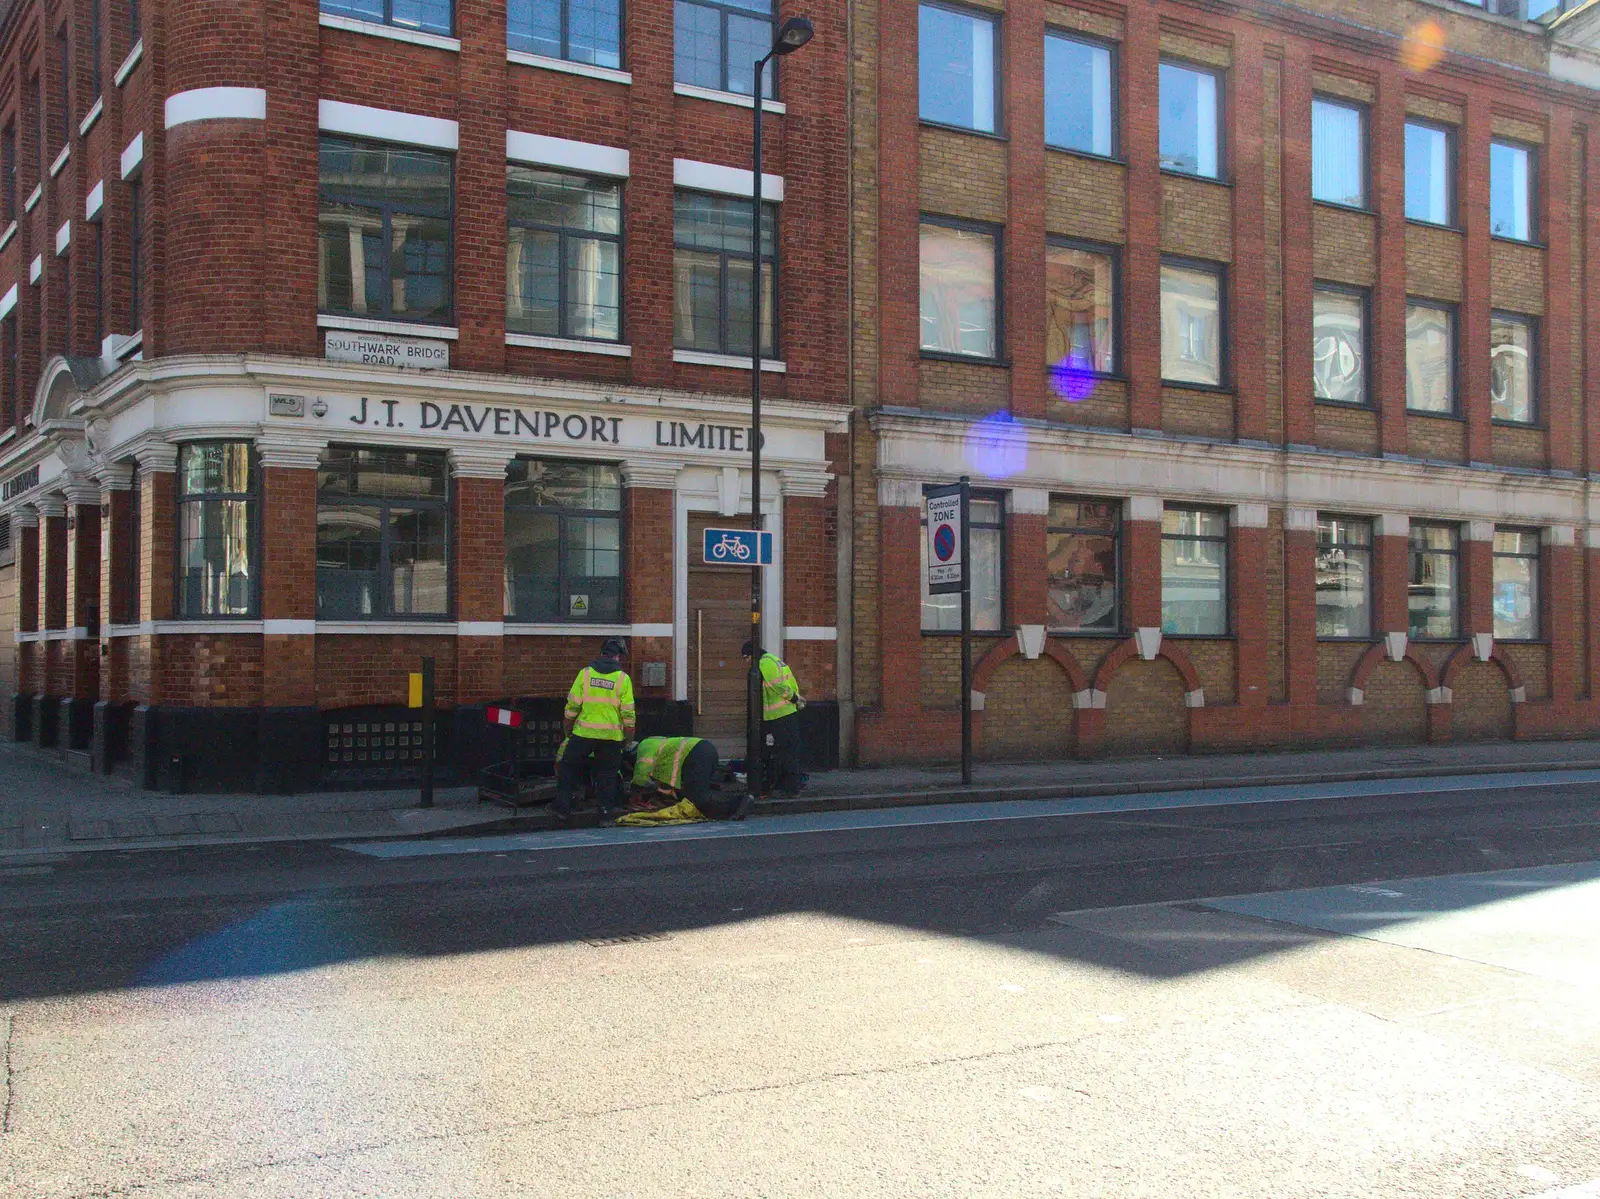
(784, 754)
(699, 768)
(584, 754)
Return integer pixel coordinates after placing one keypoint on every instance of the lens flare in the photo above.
(1072, 380)
(997, 447)
(1423, 46)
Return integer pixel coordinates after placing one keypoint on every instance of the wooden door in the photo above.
(719, 624)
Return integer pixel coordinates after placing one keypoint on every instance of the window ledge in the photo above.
(1519, 241)
(1422, 224)
(61, 160)
(394, 33)
(93, 115)
(1221, 389)
(132, 343)
(720, 97)
(545, 63)
(969, 359)
(738, 362)
(1337, 206)
(421, 626)
(34, 197)
(358, 324)
(991, 134)
(575, 345)
(1073, 152)
(1455, 416)
(574, 629)
(129, 63)
(1217, 180)
(5, 238)
(1501, 423)
(1324, 402)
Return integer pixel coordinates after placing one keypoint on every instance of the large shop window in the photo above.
(563, 541)
(425, 16)
(960, 310)
(1430, 356)
(1339, 344)
(1193, 341)
(1512, 345)
(383, 534)
(587, 31)
(1080, 307)
(1338, 152)
(1511, 190)
(1432, 597)
(1516, 584)
(1083, 545)
(1079, 85)
(216, 529)
(717, 45)
(711, 273)
(1194, 572)
(1430, 174)
(957, 81)
(563, 255)
(1344, 578)
(942, 613)
(384, 231)
(1191, 120)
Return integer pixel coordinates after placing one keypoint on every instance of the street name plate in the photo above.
(375, 349)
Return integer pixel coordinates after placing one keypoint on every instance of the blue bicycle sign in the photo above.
(737, 547)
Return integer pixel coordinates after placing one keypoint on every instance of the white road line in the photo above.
(977, 813)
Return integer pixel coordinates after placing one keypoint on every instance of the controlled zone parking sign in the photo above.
(946, 567)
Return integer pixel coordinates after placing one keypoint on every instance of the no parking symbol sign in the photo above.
(946, 564)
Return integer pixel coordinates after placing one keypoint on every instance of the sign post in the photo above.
(420, 695)
(949, 552)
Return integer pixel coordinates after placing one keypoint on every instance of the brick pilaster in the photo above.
(479, 549)
(1248, 569)
(1027, 572)
(647, 521)
(1559, 405)
(1298, 425)
(1300, 605)
(481, 186)
(84, 607)
(900, 608)
(1472, 212)
(25, 533)
(1140, 71)
(899, 295)
(1387, 145)
(647, 299)
(1141, 564)
(1558, 614)
(1391, 557)
(288, 575)
(1247, 281)
(1477, 578)
(1025, 230)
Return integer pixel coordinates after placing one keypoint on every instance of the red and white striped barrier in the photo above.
(509, 717)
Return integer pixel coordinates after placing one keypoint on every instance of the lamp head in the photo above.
(794, 33)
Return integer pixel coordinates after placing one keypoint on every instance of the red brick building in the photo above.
(1266, 333)
(336, 335)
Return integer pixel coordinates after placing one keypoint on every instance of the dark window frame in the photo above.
(1363, 294)
(135, 25)
(1452, 155)
(1115, 51)
(619, 238)
(94, 46)
(1221, 75)
(1535, 407)
(382, 505)
(992, 496)
(997, 233)
(1228, 556)
(64, 69)
(1538, 560)
(252, 497)
(388, 21)
(1534, 179)
(135, 255)
(1454, 312)
(1119, 629)
(724, 11)
(1458, 589)
(1114, 252)
(775, 354)
(566, 38)
(1364, 112)
(1371, 551)
(1224, 325)
(389, 209)
(620, 515)
(995, 22)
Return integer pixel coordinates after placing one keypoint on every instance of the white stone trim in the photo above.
(411, 129)
(60, 163)
(1391, 524)
(63, 238)
(133, 156)
(658, 629)
(1195, 698)
(899, 493)
(1088, 698)
(545, 63)
(34, 197)
(1030, 641)
(36, 268)
(718, 96)
(588, 157)
(8, 302)
(94, 201)
(1356, 696)
(727, 181)
(114, 476)
(647, 472)
(1028, 501)
(978, 701)
(1146, 507)
(737, 362)
(1300, 520)
(216, 104)
(811, 633)
(520, 629)
(361, 324)
(571, 345)
(1248, 516)
(1439, 695)
(290, 452)
(1519, 695)
(394, 33)
(481, 461)
(128, 63)
(1559, 535)
(1479, 530)
(808, 484)
(480, 628)
(1483, 646)
(91, 116)
(1394, 646)
(10, 232)
(1591, 538)
(388, 628)
(1148, 642)
(289, 628)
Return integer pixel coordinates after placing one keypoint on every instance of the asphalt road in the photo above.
(1012, 1002)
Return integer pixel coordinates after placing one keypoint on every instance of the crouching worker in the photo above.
(681, 770)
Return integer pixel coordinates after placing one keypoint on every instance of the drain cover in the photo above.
(624, 939)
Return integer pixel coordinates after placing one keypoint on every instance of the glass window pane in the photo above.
(696, 301)
(697, 45)
(214, 558)
(942, 613)
(430, 16)
(1344, 569)
(955, 55)
(419, 267)
(1193, 522)
(1079, 299)
(958, 291)
(533, 565)
(1338, 153)
(1433, 537)
(551, 483)
(1510, 369)
(1083, 582)
(1189, 130)
(1430, 359)
(360, 10)
(533, 286)
(594, 279)
(1338, 351)
(1191, 325)
(214, 468)
(1077, 95)
(592, 571)
(1516, 541)
(1516, 586)
(1193, 592)
(1427, 174)
(349, 551)
(534, 26)
(594, 32)
(559, 201)
(1431, 596)
(349, 259)
(749, 39)
(1510, 191)
(419, 579)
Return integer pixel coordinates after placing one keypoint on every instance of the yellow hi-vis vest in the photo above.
(600, 705)
(780, 693)
(645, 764)
(669, 760)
